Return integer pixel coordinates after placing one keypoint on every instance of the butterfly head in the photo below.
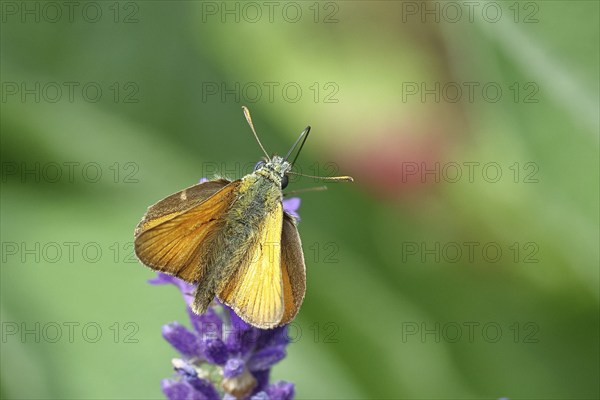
(274, 169)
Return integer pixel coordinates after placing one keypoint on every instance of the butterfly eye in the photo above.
(284, 182)
(259, 165)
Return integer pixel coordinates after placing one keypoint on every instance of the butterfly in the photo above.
(233, 240)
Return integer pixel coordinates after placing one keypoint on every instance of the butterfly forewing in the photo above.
(175, 233)
(255, 290)
(178, 203)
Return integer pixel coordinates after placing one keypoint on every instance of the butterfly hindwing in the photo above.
(293, 269)
(175, 233)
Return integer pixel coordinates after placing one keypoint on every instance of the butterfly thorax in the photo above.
(258, 194)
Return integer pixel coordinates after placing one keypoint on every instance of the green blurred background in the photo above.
(392, 310)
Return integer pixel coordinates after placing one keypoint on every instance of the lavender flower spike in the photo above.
(223, 357)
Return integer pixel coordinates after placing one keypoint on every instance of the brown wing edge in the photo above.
(293, 269)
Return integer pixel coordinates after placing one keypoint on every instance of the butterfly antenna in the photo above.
(249, 119)
(344, 178)
(303, 135)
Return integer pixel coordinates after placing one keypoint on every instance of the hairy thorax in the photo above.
(259, 194)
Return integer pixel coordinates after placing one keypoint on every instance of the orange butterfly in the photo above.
(234, 240)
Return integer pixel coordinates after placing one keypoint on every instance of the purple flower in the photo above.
(190, 386)
(223, 356)
(222, 353)
(291, 206)
(281, 391)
